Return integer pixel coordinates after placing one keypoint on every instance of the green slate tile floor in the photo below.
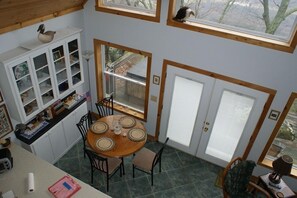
(182, 175)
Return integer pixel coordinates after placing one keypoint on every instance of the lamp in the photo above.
(87, 56)
(281, 166)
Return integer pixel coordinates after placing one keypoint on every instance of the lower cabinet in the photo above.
(43, 148)
(59, 139)
(72, 133)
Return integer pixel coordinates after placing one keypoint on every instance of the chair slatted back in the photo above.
(105, 107)
(237, 175)
(97, 161)
(84, 124)
(159, 154)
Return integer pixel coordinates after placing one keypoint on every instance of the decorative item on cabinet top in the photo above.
(43, 36)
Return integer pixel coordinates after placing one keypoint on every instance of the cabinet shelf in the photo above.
(23, 77)
(43, 90)
(23, 89)
(74, 71)
(28, 100)
(43, 78)
(45, 66)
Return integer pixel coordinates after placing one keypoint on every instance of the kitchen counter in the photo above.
(45, 174)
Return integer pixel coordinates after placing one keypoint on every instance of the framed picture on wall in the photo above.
(1, 98)
(5, 124)
(156, 79)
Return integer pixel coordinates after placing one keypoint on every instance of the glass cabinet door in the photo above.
(44, 79)
(60, 69)
(25, 87)
(74, 60)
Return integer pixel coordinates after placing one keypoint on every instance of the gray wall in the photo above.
(262, 66)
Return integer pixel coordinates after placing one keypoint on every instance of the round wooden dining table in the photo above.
(122, 144)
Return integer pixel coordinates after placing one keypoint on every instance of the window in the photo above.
(141, 9)
(124, 73)
(260, 22)
(283, 140)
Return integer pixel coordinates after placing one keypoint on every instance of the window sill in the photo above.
(268, 164)
(128, 111)
(237, 36)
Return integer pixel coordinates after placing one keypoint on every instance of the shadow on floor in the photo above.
(182, 175)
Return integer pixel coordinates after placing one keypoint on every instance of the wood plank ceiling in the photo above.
(16, 14)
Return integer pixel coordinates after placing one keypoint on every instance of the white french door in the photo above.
(185, 104)
(210, 118)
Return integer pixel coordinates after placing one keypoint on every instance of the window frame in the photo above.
(229, 34)
(99, 72)
(267, 162)
(130, 13)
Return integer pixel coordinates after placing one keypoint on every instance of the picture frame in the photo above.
(5, 124)
(156, 79)
(56, 55)
(274, 115)
(1, 97)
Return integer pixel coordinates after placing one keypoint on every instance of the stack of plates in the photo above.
(105, 144)
(99, 127)
(136, 135)
(127, 122)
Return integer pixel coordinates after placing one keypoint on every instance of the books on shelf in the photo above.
(64, 187)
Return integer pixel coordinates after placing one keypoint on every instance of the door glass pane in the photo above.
(230, 121)
(185, 100)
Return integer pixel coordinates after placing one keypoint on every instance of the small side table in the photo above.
(282, 191)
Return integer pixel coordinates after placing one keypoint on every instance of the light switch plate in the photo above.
(154, 98)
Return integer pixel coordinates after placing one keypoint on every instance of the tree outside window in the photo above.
(141, 9)
(275, 20)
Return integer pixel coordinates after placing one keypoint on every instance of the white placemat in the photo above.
(136, 135)
(105, 144)
(99, 127)
(127, 122)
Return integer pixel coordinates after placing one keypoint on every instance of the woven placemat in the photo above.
(127, 122)
(99, 127)
(136, 135)
(105, 144)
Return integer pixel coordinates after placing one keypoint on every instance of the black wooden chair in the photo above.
(105, 107)
(109, 166)
(145, 160)
(83, 125)
(236, 180)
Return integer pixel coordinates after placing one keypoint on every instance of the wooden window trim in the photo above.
(130, 13)
(99, 77)
(266, 162)
(228, 34)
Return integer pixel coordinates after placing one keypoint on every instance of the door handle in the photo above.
(205, 129)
